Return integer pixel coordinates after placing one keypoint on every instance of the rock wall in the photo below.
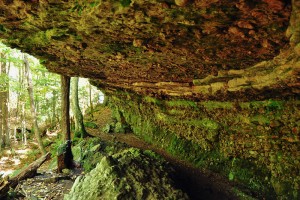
(256, 143)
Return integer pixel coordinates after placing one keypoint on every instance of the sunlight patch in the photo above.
(6, 172)
(22, 151)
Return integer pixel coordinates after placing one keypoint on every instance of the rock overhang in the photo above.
(197, 49)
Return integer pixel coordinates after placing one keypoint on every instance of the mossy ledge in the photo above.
(254, 143)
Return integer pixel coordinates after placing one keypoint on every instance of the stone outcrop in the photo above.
(130, 174)
(189, 49)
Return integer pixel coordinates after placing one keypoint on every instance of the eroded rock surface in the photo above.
(130, 174)
(165, 47)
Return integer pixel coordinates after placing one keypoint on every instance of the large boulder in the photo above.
(130, 174)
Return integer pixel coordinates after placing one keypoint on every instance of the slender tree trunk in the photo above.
(17, 113)
(1, 107)
(78, 118)
(5, 111)
(91, 101)
(23, 125)
(6, 107)
(1, 117)
(54, 99)
(3, 114)
(65, 158)
(32, 106)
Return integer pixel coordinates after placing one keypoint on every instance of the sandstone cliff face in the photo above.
(235, 65)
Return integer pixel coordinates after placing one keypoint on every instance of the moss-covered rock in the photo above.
(129, 174)
(255, 143)
(89, 152)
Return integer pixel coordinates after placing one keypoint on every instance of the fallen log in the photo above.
(28, 172)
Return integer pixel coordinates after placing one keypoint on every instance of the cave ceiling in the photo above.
(200, 49)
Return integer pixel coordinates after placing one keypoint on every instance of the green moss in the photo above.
(125, 3)
(38, 39)
(181, 103)
(256, 178)
(2, 28)
(148, 99)
(90, 125)
(214, 137)
(260, 119)
(210, 105)
(209, 124)
(274, 105)
(43, 38)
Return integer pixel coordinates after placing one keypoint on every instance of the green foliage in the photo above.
(55, 146)
(125, 3)
(16, 172)
(46, 142)
(90, 125)
(231, 176)
(33, 154)
(61, 148)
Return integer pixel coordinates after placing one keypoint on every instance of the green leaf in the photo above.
(231, 176)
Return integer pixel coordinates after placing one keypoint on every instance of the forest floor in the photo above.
(18, 155)
(197, 183)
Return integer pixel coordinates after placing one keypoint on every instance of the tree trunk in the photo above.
(23, 125)
(3, 98)
(91, 101)
(1, 108)
(54, 99)
(7, 116)
(65, 157)
(78, 118)
(32, 106)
